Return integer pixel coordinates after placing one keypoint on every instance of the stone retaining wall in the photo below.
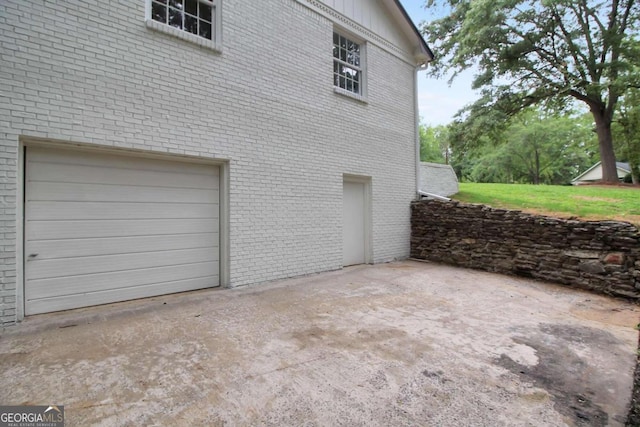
(603, 256)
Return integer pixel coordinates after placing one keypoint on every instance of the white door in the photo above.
(353, 206)
(101, 228)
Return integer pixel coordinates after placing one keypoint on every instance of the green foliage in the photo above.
(434, 146)
(587, 202)
(627, 130)
(534, 148)
(539, 52)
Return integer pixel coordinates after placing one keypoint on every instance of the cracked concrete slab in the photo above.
(404, 343)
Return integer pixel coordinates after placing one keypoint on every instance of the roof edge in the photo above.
(423, 44)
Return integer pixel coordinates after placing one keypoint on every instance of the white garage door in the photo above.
(101, 228)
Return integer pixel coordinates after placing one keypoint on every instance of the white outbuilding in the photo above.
(594, 173)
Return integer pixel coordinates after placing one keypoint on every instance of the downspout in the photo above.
(417, 125)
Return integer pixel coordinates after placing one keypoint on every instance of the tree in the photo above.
(541, 52)
(536, 148)
(549, 149)
(628, 130)
(434, 144)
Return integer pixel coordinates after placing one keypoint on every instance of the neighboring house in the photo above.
(439, 179)
(154, 146)
(594, 173)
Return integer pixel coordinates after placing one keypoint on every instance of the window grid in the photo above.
(192, 16)
(347, 70)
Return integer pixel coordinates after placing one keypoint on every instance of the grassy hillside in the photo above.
(585, 202)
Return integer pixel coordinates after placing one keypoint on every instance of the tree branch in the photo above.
(576, 53)
(611, 31)
(590, 102)
(586, 31)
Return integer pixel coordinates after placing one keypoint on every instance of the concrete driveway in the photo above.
(405, 343)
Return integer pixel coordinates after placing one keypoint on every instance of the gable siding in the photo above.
(90, 72)
(595, 174)
(373, 15)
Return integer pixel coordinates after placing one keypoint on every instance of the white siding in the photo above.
(91, 72)
(373, 15)
(595, 174)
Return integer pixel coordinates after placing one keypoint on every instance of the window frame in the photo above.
(362, 68)
(216, 23)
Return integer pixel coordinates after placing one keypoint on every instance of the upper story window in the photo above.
(193, 16)
(348, 64)
(194, 20)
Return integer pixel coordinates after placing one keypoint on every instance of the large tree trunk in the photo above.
(537, 176)
(605, 142)
(635, 179)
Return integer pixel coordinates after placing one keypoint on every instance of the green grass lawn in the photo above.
(586, 202)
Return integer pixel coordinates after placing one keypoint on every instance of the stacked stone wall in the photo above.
(602, 256)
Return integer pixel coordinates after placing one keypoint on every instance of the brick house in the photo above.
(158, 146)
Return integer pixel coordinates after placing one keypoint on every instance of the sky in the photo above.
(438, 102)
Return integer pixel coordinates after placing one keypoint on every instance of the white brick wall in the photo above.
(89, 71)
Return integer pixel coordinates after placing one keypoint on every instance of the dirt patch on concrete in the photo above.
(563, 372)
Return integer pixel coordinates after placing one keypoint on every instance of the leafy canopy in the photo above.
(540, 52)
(434, 146)
(627, 131)
(533, 51)
(536, 148)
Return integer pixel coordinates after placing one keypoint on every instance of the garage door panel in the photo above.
(106, 296)
(61, 267)
(110, 211)
(82, 192)
(45, 230)
(65, 158)
(42, 172)
(48, 249)
(61, 286)
(102, 228)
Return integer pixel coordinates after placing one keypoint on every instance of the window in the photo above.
(347, 64)
(194, 20)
